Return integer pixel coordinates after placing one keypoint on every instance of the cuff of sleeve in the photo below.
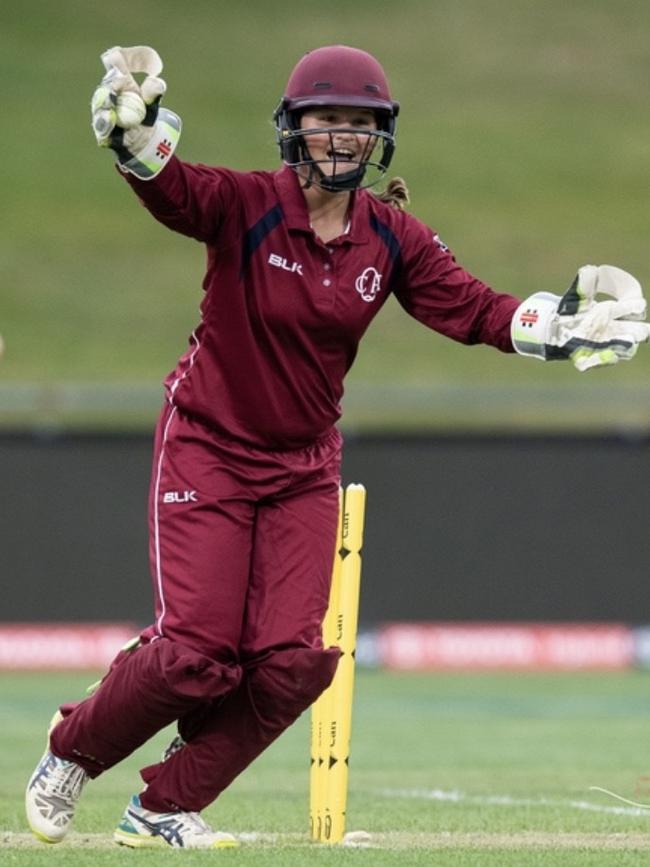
(531, 324)
(159, 149)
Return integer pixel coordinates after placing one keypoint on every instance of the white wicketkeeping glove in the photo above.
(591, 333)
(126, 116)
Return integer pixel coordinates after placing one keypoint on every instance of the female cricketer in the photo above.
(246, 466)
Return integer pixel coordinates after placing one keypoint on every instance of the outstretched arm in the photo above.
(128, 119)
(600, 319)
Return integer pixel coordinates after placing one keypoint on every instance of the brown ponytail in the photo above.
(396, 194)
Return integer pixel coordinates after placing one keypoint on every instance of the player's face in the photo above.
(343, 144)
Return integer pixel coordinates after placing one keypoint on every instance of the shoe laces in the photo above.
(66, 780)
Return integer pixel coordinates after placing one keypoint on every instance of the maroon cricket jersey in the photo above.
(283, 313)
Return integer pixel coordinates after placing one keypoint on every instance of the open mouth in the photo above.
(342, 155)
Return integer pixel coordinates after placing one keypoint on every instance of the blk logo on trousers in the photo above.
(180, 497)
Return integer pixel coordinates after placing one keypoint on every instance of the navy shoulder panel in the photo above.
(257, 233)
(393, 246)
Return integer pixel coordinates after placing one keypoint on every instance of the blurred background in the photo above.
(500, 489)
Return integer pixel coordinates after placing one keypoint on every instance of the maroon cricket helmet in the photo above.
(339, 75)
(336, 75)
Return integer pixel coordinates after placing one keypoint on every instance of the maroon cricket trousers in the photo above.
(241, 545)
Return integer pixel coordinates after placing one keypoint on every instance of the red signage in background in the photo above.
(562, 646)
(62, 646)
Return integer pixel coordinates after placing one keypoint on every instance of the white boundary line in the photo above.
(455, 796)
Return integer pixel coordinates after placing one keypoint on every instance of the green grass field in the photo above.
(524, 137)
(447, 770)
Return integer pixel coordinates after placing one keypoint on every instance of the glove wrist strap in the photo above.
(158, 150)
(532, 325)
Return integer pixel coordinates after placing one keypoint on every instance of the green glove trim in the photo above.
(157, 151)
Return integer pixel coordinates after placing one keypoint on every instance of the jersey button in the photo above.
(327, 282)
(326, 266)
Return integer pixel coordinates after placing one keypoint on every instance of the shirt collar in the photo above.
(296, 214)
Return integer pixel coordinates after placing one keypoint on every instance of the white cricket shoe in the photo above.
(142, 828)
(52, 794)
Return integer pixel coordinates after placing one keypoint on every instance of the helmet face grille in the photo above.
(337, 75)
(334, 173)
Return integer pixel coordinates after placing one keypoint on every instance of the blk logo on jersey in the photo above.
(368, 283)
(180, 497)
(281, 262)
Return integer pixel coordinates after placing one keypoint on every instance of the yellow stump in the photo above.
(332, 712)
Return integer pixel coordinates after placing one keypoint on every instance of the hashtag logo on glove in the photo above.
(164, 149)
(528, 318)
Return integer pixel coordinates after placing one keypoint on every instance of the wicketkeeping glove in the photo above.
(127, 117)
(591, 333)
